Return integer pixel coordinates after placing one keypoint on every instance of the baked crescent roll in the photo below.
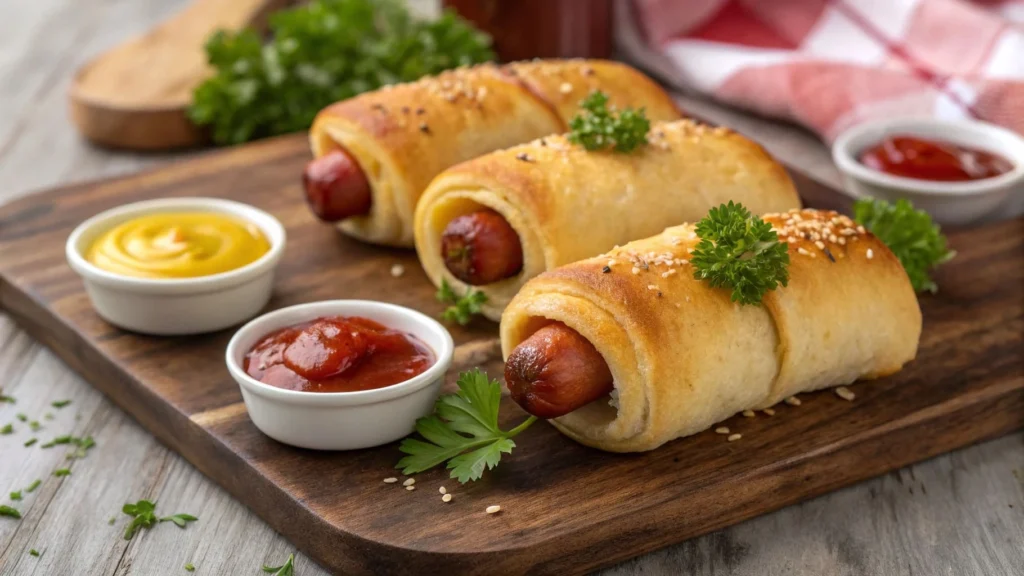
(683, 356)
(404, 135)
(567, 203)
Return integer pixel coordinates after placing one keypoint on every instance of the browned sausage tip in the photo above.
(556, 371)
(481, 248)
(336, 187)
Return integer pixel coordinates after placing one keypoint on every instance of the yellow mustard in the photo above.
(178, 245)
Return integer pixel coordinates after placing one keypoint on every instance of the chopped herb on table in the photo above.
(60, 403)
(911, 235)
(32, 487)
(36, 553)
(30, 442)
(9, 512)
(320, 53)
(460, 310)
(463, 430)
(7, 429)
(143, 515)
(16, 495)
(189, 567)
(111, 521)
(60, 472)
(34, 425)
(740, 251)
(598, 128)
(286, 569)
(6, 399)
(22, 417)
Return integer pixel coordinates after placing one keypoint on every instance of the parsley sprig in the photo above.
(286, 569)
(320, 53)
(909, 233)
(460, 309)
(597, 127)
(462, 431)
(143, 515)
(740, 251)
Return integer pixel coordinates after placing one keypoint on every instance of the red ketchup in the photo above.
(934, 160)
(337, 354)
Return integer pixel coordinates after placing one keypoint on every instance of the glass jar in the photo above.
(524, 29)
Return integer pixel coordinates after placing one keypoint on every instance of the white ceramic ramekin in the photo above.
(167, 307)
(341, 420)
(955, 203)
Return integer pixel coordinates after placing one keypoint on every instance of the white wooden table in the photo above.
(961, 513)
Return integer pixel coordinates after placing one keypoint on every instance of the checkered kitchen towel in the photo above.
(829, 64)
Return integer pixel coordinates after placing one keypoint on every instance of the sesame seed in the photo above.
(611, 262)
(397, 270)
(442, 490)
(635, 270)
(734, 437)
(832, 238)
(870, 254)
(606, 269)
(390, 480)
(410, 488)
(722, 430)
(845, 393)
(652, 287)
(842, 241)
(819, 244)
(792, 239)
(565, 88)
(446, 498)
(493, 509)
(801, 250)
(793, 401)
(409, 482)
(748, 414)
(523, 156)
(769, 411)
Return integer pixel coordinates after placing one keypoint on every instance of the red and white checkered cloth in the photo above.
(829, 64)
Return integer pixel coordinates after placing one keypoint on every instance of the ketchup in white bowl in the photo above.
(337, 354)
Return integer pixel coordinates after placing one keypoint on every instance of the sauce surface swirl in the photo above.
(178, 245)
(337, 354)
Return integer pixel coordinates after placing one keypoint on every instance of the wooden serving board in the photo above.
(565, 508)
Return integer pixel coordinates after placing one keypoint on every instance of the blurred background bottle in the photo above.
(524, 29)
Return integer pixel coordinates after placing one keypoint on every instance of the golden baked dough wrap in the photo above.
(567, 203)
(683, 356)
(404, 135)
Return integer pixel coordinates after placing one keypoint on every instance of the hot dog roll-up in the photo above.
(374, 154)
(679, 355)
(496, 221)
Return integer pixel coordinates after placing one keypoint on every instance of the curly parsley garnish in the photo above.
(462, 431)
(320, 53)
(909, 233)
(740, 251)
(597, 127)
(460, 310)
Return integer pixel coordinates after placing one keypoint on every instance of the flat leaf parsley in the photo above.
(599, 127)
(740, 251)
(462, 431)
(909, 233)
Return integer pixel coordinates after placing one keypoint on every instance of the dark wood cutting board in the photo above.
(565, 508)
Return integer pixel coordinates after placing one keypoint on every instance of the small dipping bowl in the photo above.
(341, 420)
(177, 306)
(953, 203)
